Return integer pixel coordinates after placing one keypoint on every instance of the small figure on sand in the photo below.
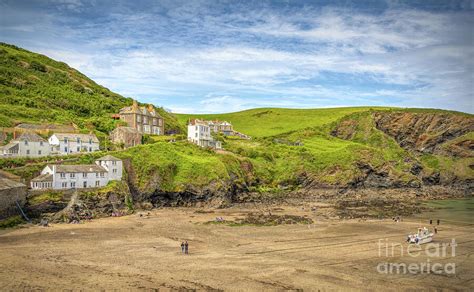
(186, 247)
(431, 221)
(438, 222)
(182, 247)
(436, 230)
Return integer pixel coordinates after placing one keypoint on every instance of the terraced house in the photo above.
(67, 143)
(145, 119)
(27, 145)
(199, 133)
(62, 177)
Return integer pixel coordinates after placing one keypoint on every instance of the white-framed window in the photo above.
(26, 142)
(64, 185)
(72, 175)
(114, 170)
(102, 174)
(39, 152)
(97, 183)
(84, 174)
(63, 175)
(65, 149)
(73, 184)
(114, 162)
(41, 143)
(84, 184)
(28, 151)
(78, 149)
(96, 174)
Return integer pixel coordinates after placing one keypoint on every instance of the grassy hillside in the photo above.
(36, 89)
(264, 122)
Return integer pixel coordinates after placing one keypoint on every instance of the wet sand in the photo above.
(134, 252)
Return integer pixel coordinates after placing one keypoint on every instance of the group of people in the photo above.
(437, 223)
(184, 247)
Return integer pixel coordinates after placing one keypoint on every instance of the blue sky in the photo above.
(224, 56)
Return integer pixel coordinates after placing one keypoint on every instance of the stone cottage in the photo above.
(145, 119)
(11, 192)
(126, 136)
(28, 144)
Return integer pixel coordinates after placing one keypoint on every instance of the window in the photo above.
(90, 141)
(63, 175)
(114, 162)
(102, 174)
(27, 152)
(90, 149)
(78, 149)
(64, 185)
(154, 122)
(196, 128)
(139, 119)
(65, 140)
(26, 142)
(72, 175)
(84, 184)
(78, 140)
(65, 149)
(84, 174)
(96, 174)
(39, 152)
(114, 170)
(145, 120)
(73, 184)
(97, 183)
(41, 143)
(195, 135)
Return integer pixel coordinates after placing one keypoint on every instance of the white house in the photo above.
(199, 133)
(96, 175)
(27, 145)
(66, 143)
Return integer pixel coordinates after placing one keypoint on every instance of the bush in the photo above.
(38, 66)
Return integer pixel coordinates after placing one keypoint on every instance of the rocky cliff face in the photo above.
(436, 148)
(427, 132)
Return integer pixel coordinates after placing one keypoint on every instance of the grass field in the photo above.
(264, 122)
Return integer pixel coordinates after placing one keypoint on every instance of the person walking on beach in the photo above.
(431, 221)
(186, 247)
(438, 222)
(182, 247)
(436, 230)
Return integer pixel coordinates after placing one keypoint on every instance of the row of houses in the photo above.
(79, 176)
(30, 144)
(200, 132)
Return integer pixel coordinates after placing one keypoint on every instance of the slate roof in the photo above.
(6, 184)
(30, 137)
(43, 177)
(78, 168)
(71, 136)
(108, 158)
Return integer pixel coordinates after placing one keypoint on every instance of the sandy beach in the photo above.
(143, 252)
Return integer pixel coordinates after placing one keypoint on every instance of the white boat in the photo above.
(423, 236)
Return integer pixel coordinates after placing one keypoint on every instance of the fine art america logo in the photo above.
(433, 257)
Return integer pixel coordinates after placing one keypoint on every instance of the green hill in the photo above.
(37, 89)
(290, 149)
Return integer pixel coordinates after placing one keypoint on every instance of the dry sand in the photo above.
(133, 252)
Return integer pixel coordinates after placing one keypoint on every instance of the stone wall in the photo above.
(10, 192)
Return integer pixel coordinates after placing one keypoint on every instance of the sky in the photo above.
(225, 56)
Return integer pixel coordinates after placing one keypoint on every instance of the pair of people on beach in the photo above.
(184, 247)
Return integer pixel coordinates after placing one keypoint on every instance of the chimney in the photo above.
(135, 105)
(151, 108)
